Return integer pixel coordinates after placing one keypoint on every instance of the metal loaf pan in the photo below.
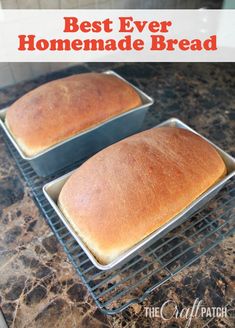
(52, 190)
(88, 142)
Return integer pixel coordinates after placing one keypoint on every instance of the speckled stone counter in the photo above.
(38, 285)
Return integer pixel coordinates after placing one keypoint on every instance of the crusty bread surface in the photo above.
(128, 190)
(62, 108)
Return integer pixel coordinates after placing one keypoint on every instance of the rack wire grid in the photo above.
(116, 289)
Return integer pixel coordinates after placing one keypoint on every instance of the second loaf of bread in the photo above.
(62, 108)
(130, 189)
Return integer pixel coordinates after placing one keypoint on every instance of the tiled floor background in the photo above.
(12, 73)
(115, 4)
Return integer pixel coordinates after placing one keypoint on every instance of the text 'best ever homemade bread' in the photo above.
(130, 189)
(62, 108)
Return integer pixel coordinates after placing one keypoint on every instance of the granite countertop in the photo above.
(38, 285)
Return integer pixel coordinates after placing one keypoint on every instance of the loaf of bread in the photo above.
(132, 188)
(62, 108)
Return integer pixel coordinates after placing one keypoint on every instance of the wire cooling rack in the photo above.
(115, 290)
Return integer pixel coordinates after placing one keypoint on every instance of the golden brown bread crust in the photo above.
(62, 108)
(130, 189)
